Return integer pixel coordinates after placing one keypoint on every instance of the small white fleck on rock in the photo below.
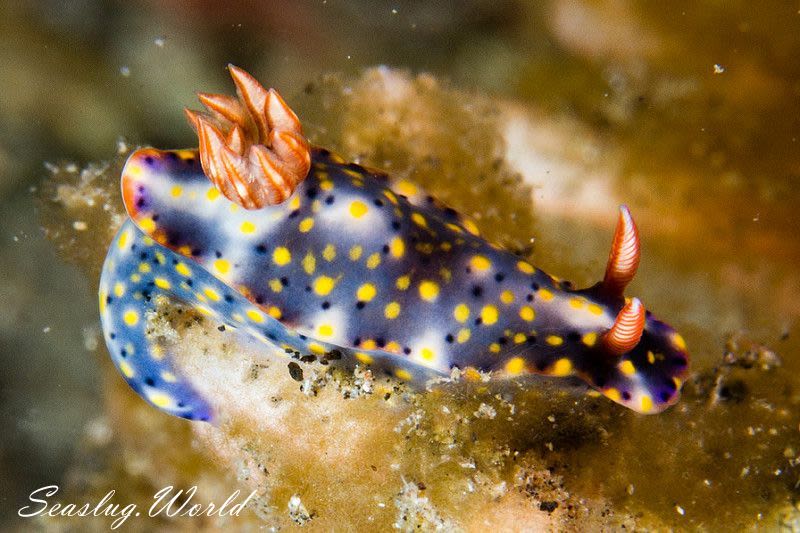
(297, 511)
(80, 225)
(718, 69)
(680, 510)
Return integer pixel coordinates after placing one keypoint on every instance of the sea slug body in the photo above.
(296, 247)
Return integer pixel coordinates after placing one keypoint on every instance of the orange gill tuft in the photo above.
(251, 148)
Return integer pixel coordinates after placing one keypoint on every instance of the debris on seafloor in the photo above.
(469, 453)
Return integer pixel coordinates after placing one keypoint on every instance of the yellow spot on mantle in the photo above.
(212, 194)
(147, 224)
(309, 263)
(627, 368)
(397, 247)
(545, 295)
(507, 297)
(323, 285)
(131, 318)
(222, 266)
(403, 374)
(526, 313)
(305, 225)
(403, 282)
(393, 347)
(463, 335)
(316, 348)
(554, 340)
(427, 354)
(366, 292)
(126, 369)
(429, 290)
(678, 342)
(161, 283)
(119, 289)
(183, 270)
(515, 365)
(212, 294)
(480, 263)
(419, 220)
(160, 399)
(646, 403)
(176, 191)
(355, 252)
(374, 260)
(276, 285)
(255, 316)
(590, 339)
(281, 256)
(406, 188)
(364, 358)
(461, 313)
(102, 297)
(595, 309)
(489, 315)
(326, 330)
(358, 209)
(577, 303)
(562, 367)
(612, 394)
(471, 227)
(369, 344)
(329, 253)
(525, 268)
(390, 195)
(247, 227)
(392, 310)
(123, 240)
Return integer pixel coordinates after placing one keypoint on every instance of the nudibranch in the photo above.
(292, 245)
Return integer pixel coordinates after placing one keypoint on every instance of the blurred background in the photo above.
(700, 100)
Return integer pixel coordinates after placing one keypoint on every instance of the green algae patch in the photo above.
(329, 447)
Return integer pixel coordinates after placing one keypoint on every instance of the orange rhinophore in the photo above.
(252, 148)
(623, 260)
(627, 330)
